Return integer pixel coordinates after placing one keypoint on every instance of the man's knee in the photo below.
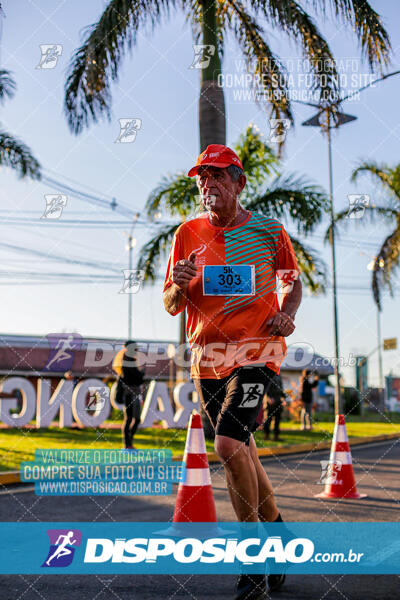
(230, 450)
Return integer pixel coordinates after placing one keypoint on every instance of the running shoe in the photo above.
(251, 587)
(275, 582)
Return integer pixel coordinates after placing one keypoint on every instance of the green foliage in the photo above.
(176, 194)
(287, 198)
(14, 153)
(291, 198)
(150, 254)
(258, 159)
(313, 270)
(95, 65)
(7, 85)
(367, 25)
(387, 259)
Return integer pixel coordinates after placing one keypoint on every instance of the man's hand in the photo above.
(281, 324)
(184, 271)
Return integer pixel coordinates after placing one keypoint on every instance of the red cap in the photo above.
(216, 155)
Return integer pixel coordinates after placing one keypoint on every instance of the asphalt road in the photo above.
(377, 469)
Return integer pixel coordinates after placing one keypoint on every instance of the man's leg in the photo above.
(267, 509)
(136, 410)
(267, 424)
(241, 477)
(126, 425)
(303, 417)
(278, 414)
(310, 415)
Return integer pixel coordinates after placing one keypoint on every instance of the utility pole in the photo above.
(130, 247)
(378, 318)
(338, 396)
(323, 119)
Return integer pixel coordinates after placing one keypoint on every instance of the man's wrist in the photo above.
(289, 313)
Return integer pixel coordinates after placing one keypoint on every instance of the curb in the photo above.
(9, 477)
(310, 447)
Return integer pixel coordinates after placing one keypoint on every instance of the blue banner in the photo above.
(101, 472)
(201, 548)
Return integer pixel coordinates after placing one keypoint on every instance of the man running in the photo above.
(222, 268)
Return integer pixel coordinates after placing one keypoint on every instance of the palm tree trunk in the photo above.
(212, 127)
(212, 121)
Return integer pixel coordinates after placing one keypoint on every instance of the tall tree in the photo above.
(388, 212)
(13, 152)
(95, 64)
(285, 197)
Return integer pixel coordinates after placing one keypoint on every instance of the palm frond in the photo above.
(7, 85)
(258, 159)
(262, 64)
(292, 197)
(291, 18)
(177, 194)
(16, 155)
(152, 252)
(194, 16)
(382, 173)
(312, 268)
(385, 264)
(366, 23)
(95, 64)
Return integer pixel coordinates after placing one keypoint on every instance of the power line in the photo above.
(85, 197)
(58, 258)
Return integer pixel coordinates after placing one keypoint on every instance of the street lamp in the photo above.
(370, 267)
(323, 119)
(171, 351)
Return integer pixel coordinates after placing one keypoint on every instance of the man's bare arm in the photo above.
(283, 322)
(174, 299)
(175, 296)
(291, 301)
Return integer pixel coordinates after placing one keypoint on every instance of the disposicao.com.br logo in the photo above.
(62, 547)
(202, 548)
(193, 550)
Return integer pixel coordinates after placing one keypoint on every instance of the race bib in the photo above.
(229, 280)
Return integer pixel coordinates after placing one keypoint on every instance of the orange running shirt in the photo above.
(226, 332)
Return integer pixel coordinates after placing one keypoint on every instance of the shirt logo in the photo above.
(252, 394)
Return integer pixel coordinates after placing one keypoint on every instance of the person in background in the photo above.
(306, 388)
(276, 395)
(130, 379)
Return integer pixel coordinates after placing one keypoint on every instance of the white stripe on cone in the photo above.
(195, 442)
(343, 457)
(196, 477)
(341, 434)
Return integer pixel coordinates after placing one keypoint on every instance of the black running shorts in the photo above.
(233, 403)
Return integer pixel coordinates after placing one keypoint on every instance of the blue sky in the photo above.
(157, 86)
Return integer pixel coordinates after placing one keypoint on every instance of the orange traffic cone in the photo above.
(195, 500)
(340, 481)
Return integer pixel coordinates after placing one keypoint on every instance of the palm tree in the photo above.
(285, 197)
(95, 64)
(13, 152)
(388, 256)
